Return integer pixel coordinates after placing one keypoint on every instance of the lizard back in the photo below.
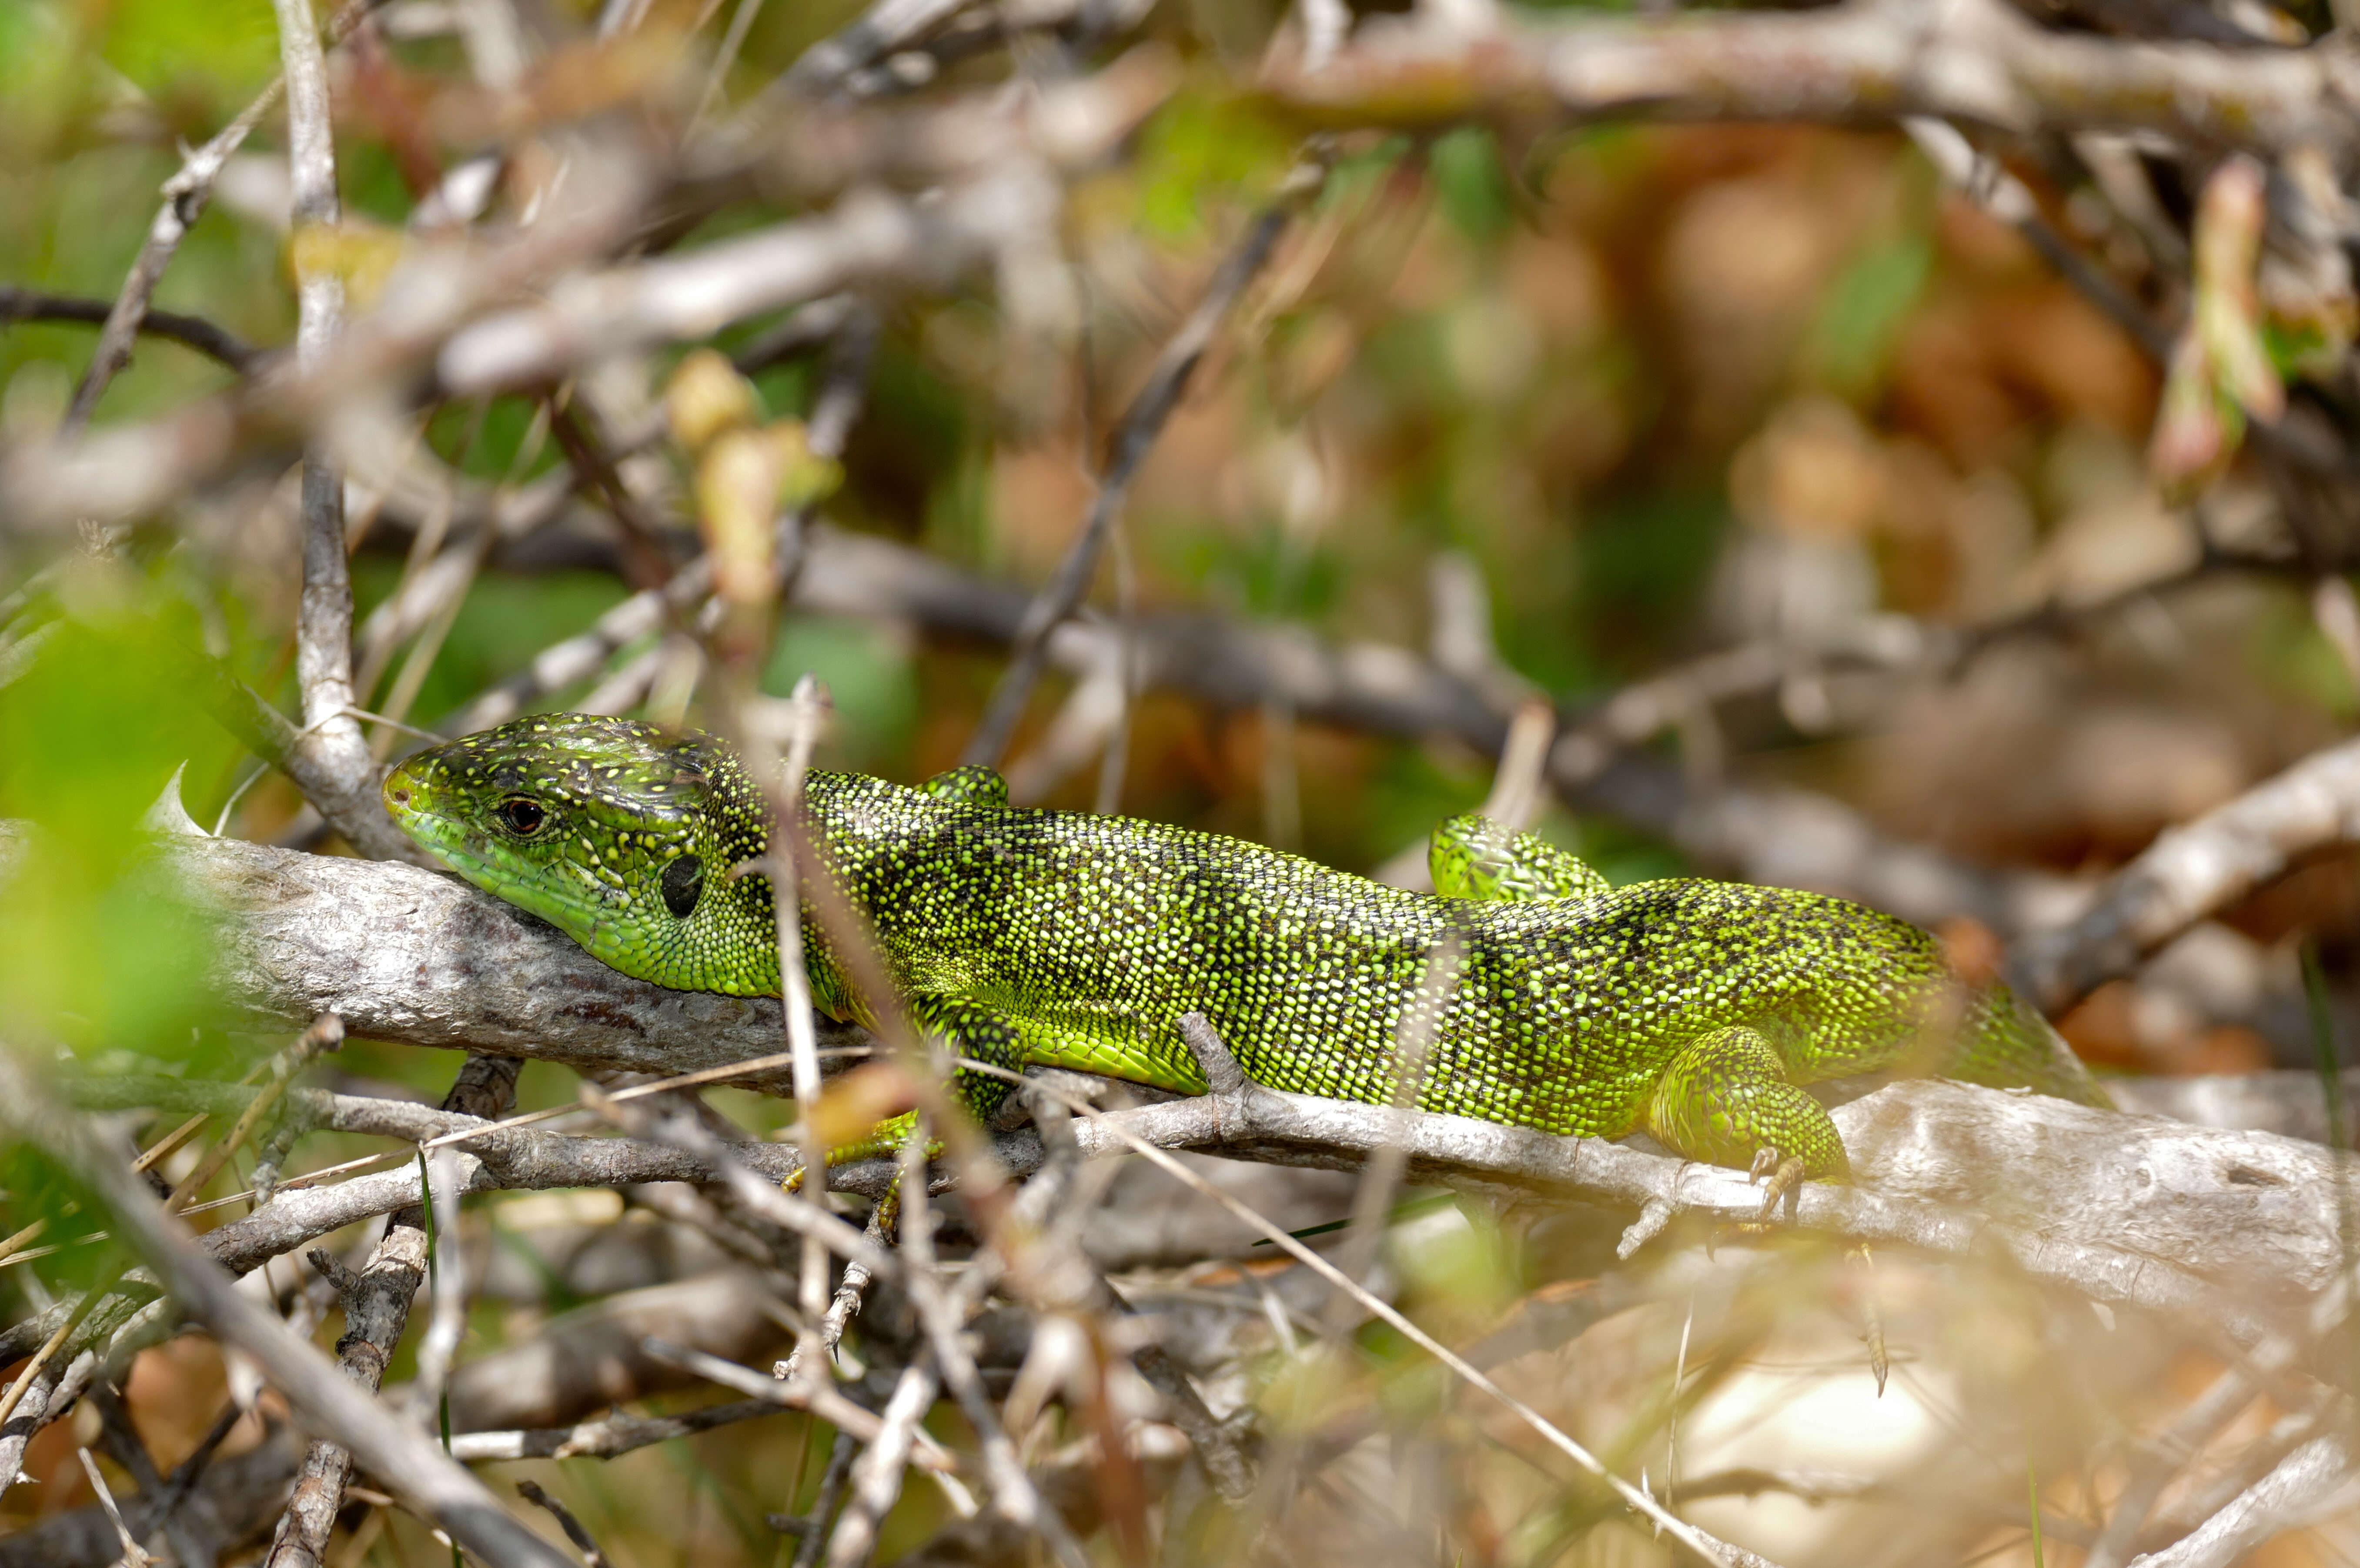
(1096, 933)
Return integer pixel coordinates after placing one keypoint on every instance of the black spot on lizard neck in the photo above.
(683, 884)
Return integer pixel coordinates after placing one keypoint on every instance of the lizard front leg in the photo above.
(972, 1030)
(1725, 1099)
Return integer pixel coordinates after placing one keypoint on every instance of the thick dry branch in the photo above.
(2128, 1210)
(1871, 61)
(426, 959)
(2294, 1489)
(2194, 871)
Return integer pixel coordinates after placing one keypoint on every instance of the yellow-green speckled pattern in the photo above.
(1688, 1007)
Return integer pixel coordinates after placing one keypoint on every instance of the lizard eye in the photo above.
(683, 884)
(520, 817)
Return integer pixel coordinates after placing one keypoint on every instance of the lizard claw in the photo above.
(1880, 1361)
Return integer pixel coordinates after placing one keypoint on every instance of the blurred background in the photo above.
(1782, 427)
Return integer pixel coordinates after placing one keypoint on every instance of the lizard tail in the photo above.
(2004, 1043)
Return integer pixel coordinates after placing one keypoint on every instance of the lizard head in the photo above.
(620, 834)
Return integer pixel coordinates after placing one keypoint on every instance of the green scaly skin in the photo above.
(1692, 1009)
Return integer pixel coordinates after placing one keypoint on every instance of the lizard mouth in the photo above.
(407, 795)
(416, 804)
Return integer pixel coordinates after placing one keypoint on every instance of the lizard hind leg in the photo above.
(1479, 857)
(1725, 1099)
(980, 1033)
(969, 784)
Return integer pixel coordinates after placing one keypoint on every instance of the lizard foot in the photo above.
(1786, 1172)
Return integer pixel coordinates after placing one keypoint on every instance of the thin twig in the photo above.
(190, 332)
(606, 1437)
(448, 1321)
(324, 627)
(185, 197)
(825, 1402)
(26, 1380)
(1372, 1202)
(757, 1194)
(2312, 1472)
(1011, 1489)
(841, 1451)
(850, 1291)
(2194, 871)
(1220, 1067)
(134, 1554)
(1990, 185)
(326, 1034)
(876, 1474)
(313, 1385)
(783, 786)
(1141, 423)
(376, 1303)
(591, 1556)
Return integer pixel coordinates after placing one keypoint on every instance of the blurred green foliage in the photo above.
(503, 622)
(1203, 152)
(90, 956)
(868, 677)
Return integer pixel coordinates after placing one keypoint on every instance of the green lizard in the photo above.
(1692, 1009)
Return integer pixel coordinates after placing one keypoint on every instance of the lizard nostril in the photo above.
(401, 797)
